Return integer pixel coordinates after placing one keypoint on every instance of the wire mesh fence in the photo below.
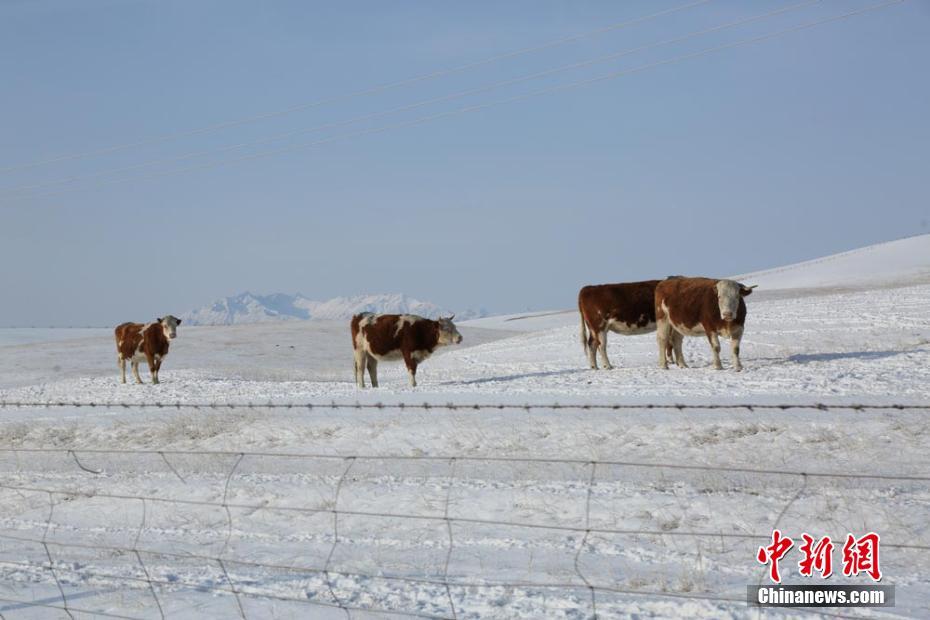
(418, 535)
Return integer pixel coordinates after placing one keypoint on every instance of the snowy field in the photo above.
(473, 513)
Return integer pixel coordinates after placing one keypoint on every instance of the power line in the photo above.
(484, 106)
(368, 91)
(411, 106)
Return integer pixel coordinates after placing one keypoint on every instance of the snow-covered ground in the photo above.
(27, 335)
(511, 537)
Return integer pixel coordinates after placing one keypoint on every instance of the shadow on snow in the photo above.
(829, 357)
(516, 377)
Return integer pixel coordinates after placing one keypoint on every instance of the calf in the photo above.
(700, 306)
(149, 342)
(627, 308)
(377, 337)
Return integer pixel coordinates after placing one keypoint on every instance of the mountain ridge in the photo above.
(247, 308)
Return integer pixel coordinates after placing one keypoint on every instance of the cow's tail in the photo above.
(584, 330)
(353, 329)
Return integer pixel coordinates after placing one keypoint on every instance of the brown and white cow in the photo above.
(377, 337)
(628, 308)
(149, 341)
(700, 307)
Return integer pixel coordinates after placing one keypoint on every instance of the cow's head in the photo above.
(729, 293)
(448, 334)
(170, 324)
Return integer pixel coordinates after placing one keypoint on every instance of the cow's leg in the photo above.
(360, 363)
(135, 370)
(586, 342)
(122, 368)
(663, 334)
(677, 342)
(734, 348)
(157, 369)
(591, 350)
(411, 368)
(714, 341)
(150, 359)
(373, 370)
(602, 349)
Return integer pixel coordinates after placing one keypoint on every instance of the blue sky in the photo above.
(802, 145)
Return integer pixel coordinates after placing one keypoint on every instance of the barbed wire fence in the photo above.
(450, 406)
(446, 595)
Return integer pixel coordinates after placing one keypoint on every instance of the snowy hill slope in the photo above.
(247, 308)
(527, 321)
(899, 262)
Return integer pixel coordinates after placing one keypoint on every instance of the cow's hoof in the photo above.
(663, 366)
(718, 367)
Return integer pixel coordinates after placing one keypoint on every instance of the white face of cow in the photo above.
(729, 293)
(448, 334)
(170, 324)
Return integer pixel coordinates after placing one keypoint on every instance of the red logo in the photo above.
(817, 557)
(860, 555)
(773, 553)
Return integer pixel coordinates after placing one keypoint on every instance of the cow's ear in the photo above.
(746, 290)
(179, 321)
(158, 320)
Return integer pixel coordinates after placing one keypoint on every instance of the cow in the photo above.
(627, 308)
(377, 337)
(145, 341)
(700, 306)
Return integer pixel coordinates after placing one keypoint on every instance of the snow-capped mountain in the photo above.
(250, 308)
